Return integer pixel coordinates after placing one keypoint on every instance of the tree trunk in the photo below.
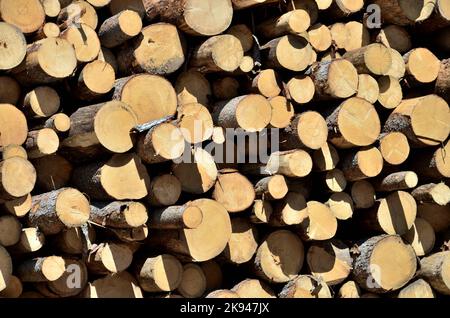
(373, 59)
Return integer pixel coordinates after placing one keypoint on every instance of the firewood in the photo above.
(160, 273)
(61, 287)
(433, 164)
(10, 229)
(28, 16)
(267, 83)
(421, 236)
(272, 187)
(243, 242)
(193, 281)
(234, 191)
(192, 87)
(339, 34)
(305, 286)
(368, 88)
(19, 206)
(78, 12)
(41, 269)
(417, 289)
(333, 181)
(434, 269)
(363, 194)
(60, 123)
(301, 89)
(371, 59)
(394, 147)
(341, 204)
(432, 193)
(253, 288)
(17, 178)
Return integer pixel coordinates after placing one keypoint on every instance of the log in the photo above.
(434, 269)
(10, 229)
(193, 281)
(6, 268)
(51, 7)
(433, 164)
(253, 288)
(394, 147)
(41, 269)
(341, 204)
(368, 88)
(12, 150)
(124, 214)
(280, 257)
(10, 90)
(120, 285)
(292, 22)
(319, 222)
(395, 37)
(301, 89)
(151, 97)
(13, 126)
(267, 83)
(432, 193)
(417, 289)
(329, 261)
(30, 240)
(74, 240)
(334, 79)
(349, 290)
(291, 210)
(305, 286)
(333, 181)
(47, 61)
(221, 53)
(442, 87)
(41, 102)
(225, 88)
(13, 48)
(261, 211)
(60, 123)
(80, 12)
(28, 16)
(99, 3)
(244, 4)
(319, 36)
(422, 65)
(272, 187)
(53, 172)
(213, 274)
(164, 190)
(326, 158)
(85, 42)
(13, 289)
(244, 35)
(339, 34)
(398, 67)
(17, 178)
(222, 293)
(95, 80)
(401, 180)
(234, 191)
(65, 285)
(391, 93)
(358, 36)
(116, 6)
(53, 211)
(160, 273)
(243, 242)
(421, 236)
(108, 258)
(48, 30)
(380, 257)
(176, 217)
(19, 206)
(195, 123)
(41, 143)
(371, 59)
(437, 215)
(401, 12)
(99, 180)
(159, 49)
(366, 162)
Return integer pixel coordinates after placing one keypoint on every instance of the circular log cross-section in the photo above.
(371, 59)
(119, 28)
(234, 191)
(27, 15)
(422, 65)
(421, 236)
(193, 281)
(319, 224)
(289, 52)
(253, 288)
(243, 242)
(17, 178)
(305, 286)
(13, 126)
(13, 46)
(394, 148)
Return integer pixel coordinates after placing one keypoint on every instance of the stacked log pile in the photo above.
(108, 109)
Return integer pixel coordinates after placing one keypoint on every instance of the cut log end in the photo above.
(394, 148)
(13, 46)
(18, 177)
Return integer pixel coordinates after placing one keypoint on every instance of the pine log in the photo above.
(19, 206)
(349, 290)
(95, 80)
(13, 46)
(10, 229)
(368, 88)
(394, 147)
(421, 236)
(363, 163)
(338, 34)
(395, 37)
(437, 215)
(271, 188)
(53, 172)
(358, 36)
(434, 269)
(432, 193)
(164, 190)
(41, 102)
(30, 240)
(27, 15)
(267, 83)
(261, 211)
(123, 214)
(291, 210)
(85, 41)
(59, 122)
(73, 240)
(12, 150)
(17, 178)
(193, 281)
(319, 223)
(243, 242)
(185, 216)
(77, 12)
(319, 36)
(404, 12)
(417, 289)
(108, 258)
(244, 35)
(305, 286)
(234, 191)
(326, 158)
(371, 59)
(442, 87)
(301, 89)
(41, 269)
(120, 285)
(253, 288)
(192, 87)
(422, 65)
(51, 7)
(292, 22)
(48, 30)
(160, 273)
(13, 289)
(401, 180)
(41, 143)
(341, 204)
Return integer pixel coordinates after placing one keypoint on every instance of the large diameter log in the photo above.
(421, 236)
(243, 242)
(53, 172)
(27, 15)
(354, 122)
(100, 180)
(371, 59)
(334, 79)
(305, 286)
(162, 273)
(159, 49)
(394, 147)
(442, 87)
(19, 206)
(417, 289)
(195, 17)
(6, 268)
(164, 190)
(289, 52)
(253, 288)
(41, 269)
(10, 230)
(193, 281)
(360, 164)
(106, 124)
(176, 217)
(292, 22)
(14, 48)
(401, 180)
(318, 223)
(42, 142)
(41, 102)
(123, 214)
(193, 87)
(108, 258)
(435, 270)
(221, 53)
(291, 210)
(421, 65)
(234, 191)
(17, 178)
(77, 12)
(95, 79)
(404, 12)
(199, 244)
(47, 61)
(119, 28)
(195, 122)
(53, 211)
(376, 267)
(13, 126)
(280, 257)
(432, 193)
(434, 164)
(151, 97)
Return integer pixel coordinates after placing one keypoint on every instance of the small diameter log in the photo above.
(85, 42)
(48, 30)
(243, 242)
(73, 240)
(13, 289)
(341, 204)
(17, 178)
(301, 89)
(307, 130)
(194, 17)
(13, 126)
(360, 164)
(10, 229)
(305, 286)
(176, 217)
(234, 191)
(391, 93)
(334, 79)
(319, 222)
(199, 244)
(253, 288)
(434, 164)
(162, 273)
(272, 188)
(280, 257)
(319, 36)
(376, 267)
(13, 48)
(349, 290)
(225, 88)
(164, 190)
(221, 53)
(151, 97)
(53, 172)
(395, 37)
(221, 293)
(198, 173)
(47, 61)
(292, 22)
(53, 211)
(343, 8)
(95, 79)
(41, 269)
(422, 65)
(10, 90)
(108, 258)
(107, 125)
(120, 285)
(368, 88)
(99, 3)
(100, 180)
(432, 193)
(291, 210)
(358, 36)
(267, 83)
(435, 270)
(442, 87)
(6, 268)
(417, 289)
(437, 215)
(402, 180)
(261, 212)
(421, 236)
(12, 150)
(333, 181)
(193, 87)
(77, 12)
(244, 35)
(289, 52)
(404, 12)
(161, 143)
(249, 112)
(60, 123)
(213, 274)
(51, 7)
(193, 281)
(123, 214)
(394, 214)
(329, 261)
(371, 59)
(159, 49)
(116, 6)
(394, 148)
(18, 207)
(354, 122)
(41, 143)
(326, 158)
(41, 102)
(119, 28)
(30, 240)
(195, 123)
(27, 15)
(65, 286)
